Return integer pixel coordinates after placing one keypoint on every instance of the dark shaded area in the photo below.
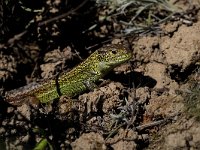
(60, 128)
(73, 32)
(3, 108)
(136, 78)
(179, 75)
(48, 124)
(19, 78)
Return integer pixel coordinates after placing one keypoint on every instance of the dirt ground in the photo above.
(151, 102)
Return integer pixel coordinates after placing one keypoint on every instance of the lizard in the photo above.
(74, 82)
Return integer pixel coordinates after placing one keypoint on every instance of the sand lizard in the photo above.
(74, 82)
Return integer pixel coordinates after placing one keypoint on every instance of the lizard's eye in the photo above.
(114, 52)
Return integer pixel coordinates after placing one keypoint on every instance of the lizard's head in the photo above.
(111, 56)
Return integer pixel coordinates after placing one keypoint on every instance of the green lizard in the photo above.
(74, 82)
